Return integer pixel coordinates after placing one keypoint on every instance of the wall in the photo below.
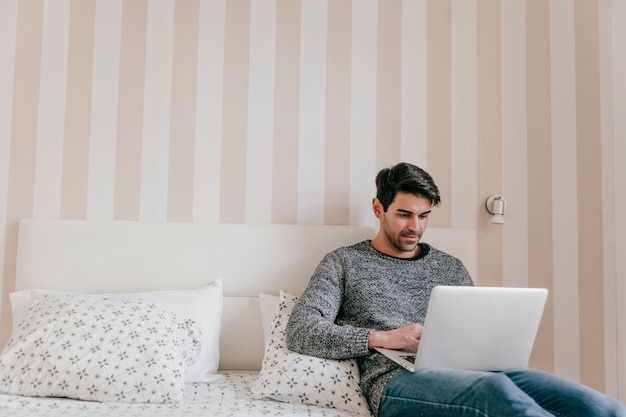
(282, 111)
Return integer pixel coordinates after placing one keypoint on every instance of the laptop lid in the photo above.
(477, 328)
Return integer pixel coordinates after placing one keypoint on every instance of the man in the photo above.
(375, 294)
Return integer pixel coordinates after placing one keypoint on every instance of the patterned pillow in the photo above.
(99, 348)
(292, 377)
(202, 305)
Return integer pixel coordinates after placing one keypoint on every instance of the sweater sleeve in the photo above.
(312, 328)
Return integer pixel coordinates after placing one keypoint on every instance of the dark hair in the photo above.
(407, 178)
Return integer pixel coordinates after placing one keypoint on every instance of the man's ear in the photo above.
(377, 207)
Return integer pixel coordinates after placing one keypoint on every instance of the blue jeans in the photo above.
(525, 392)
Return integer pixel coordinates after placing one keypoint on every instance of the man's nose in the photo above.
(414, 223)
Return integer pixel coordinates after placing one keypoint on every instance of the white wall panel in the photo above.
(514, 139)
(363, 105)
(619, 140)
(312, 121)
(260, 112)
(8, 28)
(157, 110)
(51, 116)
(464, 128)
(565, 215)
(104, 101)
(207, 162)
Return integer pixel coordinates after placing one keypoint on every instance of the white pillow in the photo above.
(269, 305)
(292, 377)
(203, 305)
(99, 348)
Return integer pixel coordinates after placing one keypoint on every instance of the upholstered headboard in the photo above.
(125, 256)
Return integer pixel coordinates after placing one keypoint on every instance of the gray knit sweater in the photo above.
(356, 290)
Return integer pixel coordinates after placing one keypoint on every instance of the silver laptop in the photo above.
(476, 328)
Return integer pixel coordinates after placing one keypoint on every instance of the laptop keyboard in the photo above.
(410, 358)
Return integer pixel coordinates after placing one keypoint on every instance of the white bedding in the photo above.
(127, 257)
(229, 397)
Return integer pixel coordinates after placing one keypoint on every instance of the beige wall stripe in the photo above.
(183, 111)
(130, 109)
(78, 109)
(588, 128)
(540, 253)
(439, 104)
(235, 111)
(337, 169)
(489, 116)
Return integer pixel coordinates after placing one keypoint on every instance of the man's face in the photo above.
(403, 224)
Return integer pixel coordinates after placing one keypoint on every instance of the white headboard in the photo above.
(125, 256)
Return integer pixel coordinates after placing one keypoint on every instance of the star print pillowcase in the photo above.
(99, 348)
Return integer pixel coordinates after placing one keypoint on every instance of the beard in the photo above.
(405, 241)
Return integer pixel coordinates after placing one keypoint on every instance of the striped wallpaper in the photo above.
(282, 111)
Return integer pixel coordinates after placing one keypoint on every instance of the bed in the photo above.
(174, 319)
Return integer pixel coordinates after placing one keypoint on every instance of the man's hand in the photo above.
(400, 338)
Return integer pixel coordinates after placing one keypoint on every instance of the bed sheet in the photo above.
(228, 397)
